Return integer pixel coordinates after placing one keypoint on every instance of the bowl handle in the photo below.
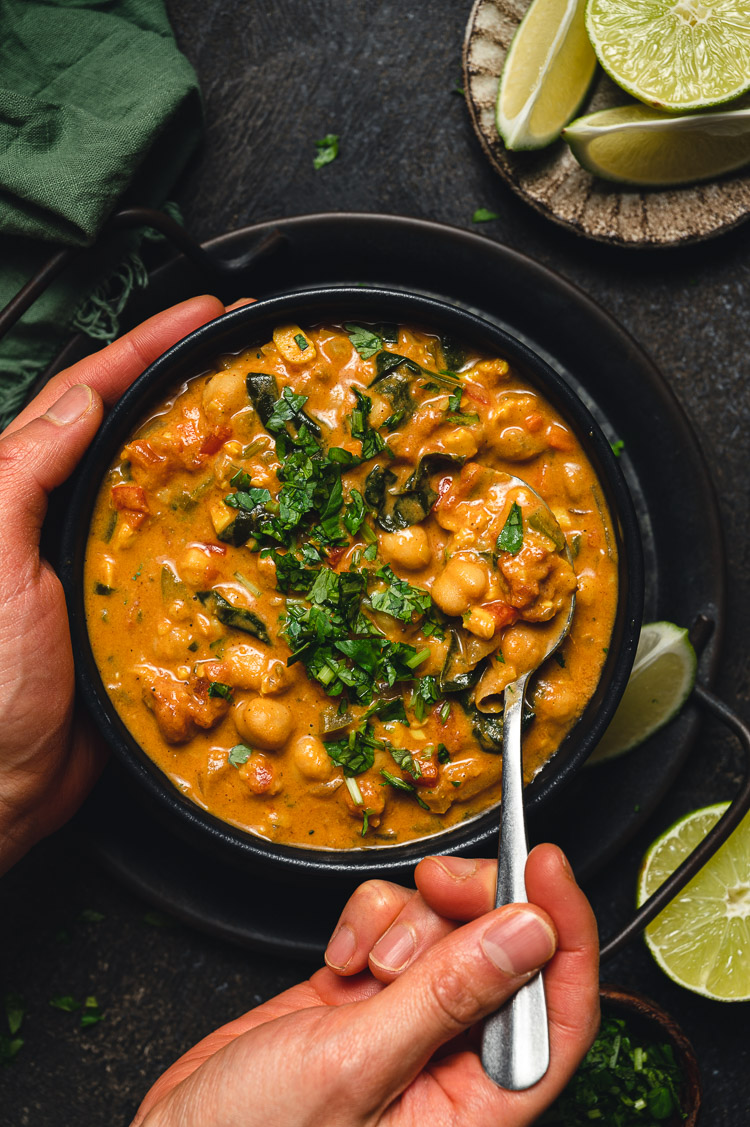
(216, 269)
(693, 863)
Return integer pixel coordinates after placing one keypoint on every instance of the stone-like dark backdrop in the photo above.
(381, 75)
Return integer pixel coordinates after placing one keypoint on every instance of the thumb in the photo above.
(36, 459)
(459, 981)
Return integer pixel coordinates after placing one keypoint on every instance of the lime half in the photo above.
(661, 680)
(547, 71)
(674, 54)
(702, 938)
(634, 144)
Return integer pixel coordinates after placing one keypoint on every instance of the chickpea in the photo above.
(196, 568)
(264, 723)
(409, 547)
(462, 582)
(471, 577)
(224, 394)
(311, 758)
(517, 445)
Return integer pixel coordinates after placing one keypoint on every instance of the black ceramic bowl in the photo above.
(197, 353)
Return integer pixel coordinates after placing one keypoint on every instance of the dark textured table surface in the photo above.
(382, 76)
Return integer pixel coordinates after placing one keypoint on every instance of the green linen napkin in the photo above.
(96, 101)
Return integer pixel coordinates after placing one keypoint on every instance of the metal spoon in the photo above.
(515, 1040)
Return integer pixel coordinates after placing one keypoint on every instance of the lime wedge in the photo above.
(702, 938)
(674, 54)
(661, 680)
(634, 144)
(547, 71)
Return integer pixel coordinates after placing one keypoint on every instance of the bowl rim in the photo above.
(196, 353)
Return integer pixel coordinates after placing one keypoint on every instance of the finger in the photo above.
(572, 988)
(573, 975)
(466, 976)
(459, 888)
(34, 460)
(370, 911)
(415, 929)
(111, 370)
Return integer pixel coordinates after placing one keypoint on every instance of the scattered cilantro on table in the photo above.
(484, 215)
(328, 150)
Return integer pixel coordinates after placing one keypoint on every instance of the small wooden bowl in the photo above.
(646, 1018)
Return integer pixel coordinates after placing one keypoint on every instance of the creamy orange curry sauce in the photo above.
(309, 580)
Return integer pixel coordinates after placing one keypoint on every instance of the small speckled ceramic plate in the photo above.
(554, 183)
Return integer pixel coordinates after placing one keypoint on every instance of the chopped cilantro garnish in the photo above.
(399, 599)
(424, 695)
(454, 399)
(463, 420)
(366, 341)
(444, 756)
(15, 1011)
(401, 784)
(445, 711)
(511, 536)
(623, 1081)
(500, 657)
(239, 754)
(91, 1012)
(218, 689)
(617, 447)
(360, 427)
(354, 513)
(300, 341)
(484, 215)
(406, 761)
(328, 150)
(355, 753)
(65, 1002)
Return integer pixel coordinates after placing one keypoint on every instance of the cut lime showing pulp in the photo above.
(661, 680)
(637, 145)
(674, 54)
(547, 71)
(702, 938)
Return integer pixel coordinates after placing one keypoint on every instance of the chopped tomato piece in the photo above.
(503, 614)
(215, 441)
(129, 496)
(443, 486)
(335, 554)
(558, 438)
(474, 392)
(143, 454)
(429, 769)
(533, 422)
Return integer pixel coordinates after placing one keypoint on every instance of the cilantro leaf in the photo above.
(399, 599)
(511, 536)
(484, 215)
(15, 1011)
(239, 754)
(65, 1002)
(406, 761)
(328, 150)
(354, 513)
(355, 753)
(360, 427)
(218, 689)
(401, 784)
(366, 341)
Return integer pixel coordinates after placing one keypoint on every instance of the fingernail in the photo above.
(342, 946)
(71, 406)
(459, 868)
(519, 942)
(395, 949)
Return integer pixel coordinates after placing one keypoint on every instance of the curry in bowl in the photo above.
(309, 579)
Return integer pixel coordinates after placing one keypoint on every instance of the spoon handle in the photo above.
(515, 1040)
